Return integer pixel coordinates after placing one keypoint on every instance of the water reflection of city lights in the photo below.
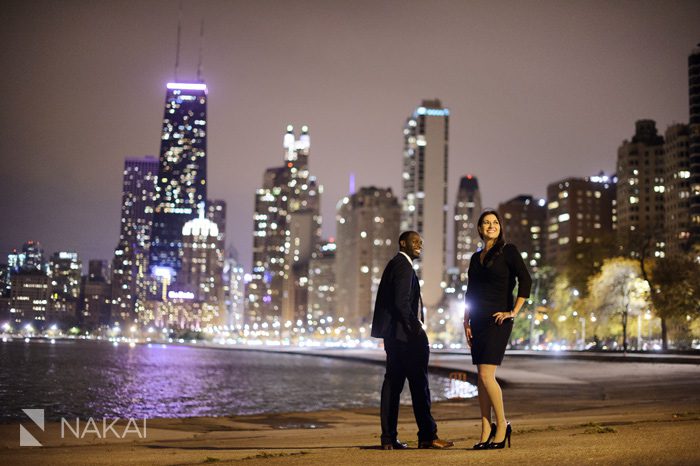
(460, 389)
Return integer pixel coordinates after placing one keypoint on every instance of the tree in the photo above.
(617, 290)
(675, 292)
(566, 302)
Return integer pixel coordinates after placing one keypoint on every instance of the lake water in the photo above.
(77, 378)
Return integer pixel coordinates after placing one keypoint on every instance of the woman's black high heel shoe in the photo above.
(485, 445)
(498, 445)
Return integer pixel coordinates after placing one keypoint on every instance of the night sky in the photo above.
(538, 91)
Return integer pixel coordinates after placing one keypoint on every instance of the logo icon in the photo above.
(25, 438)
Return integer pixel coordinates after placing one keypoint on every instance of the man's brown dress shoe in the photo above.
(395, 445)
(436, 443)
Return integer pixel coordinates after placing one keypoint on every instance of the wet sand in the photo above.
(563, 411)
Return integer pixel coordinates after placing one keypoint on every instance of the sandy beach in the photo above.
(566, 410)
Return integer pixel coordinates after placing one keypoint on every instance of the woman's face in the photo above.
(490, 228)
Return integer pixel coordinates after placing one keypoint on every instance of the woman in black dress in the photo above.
(488, 319)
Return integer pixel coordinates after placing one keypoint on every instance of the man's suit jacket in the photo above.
(398, 298)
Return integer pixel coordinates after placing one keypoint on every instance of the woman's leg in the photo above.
(485, 407)
(487, 377)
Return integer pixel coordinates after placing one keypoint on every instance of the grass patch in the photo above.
(211, 459)
(595, 428)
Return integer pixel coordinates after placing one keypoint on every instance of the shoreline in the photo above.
(670, 356)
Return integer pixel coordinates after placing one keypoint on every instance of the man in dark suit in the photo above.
(398, 319)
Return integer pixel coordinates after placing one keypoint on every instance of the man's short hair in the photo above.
(406, 235)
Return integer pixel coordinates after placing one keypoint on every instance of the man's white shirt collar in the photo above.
(406, 256)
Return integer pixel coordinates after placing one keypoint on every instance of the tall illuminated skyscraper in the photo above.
(424, 202)
(467, 211)
(286, 230)
(130, 262)
(182, 174)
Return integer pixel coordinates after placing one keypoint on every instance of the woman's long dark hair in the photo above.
(500, 241)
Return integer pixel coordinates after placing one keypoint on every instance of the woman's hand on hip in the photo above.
(503, 316)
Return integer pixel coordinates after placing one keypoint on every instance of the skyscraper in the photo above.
(286, 230)
(5, 282)
(322, 282)
(234, 292)
(196, 299)
(424, 201)
(694, 146)
(29, 298)
(130, 263)
(640, 191)
(525, 224)
(367, 238)
(466, 235)
(182, 174)
(64, 273)
(202, 260)
(96, 296)
(264, 292)
(32, 257)
(677, 189)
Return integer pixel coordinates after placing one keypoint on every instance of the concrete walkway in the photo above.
(521, 367)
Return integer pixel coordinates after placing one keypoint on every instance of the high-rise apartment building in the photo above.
(5, 282)
(694, 146)
(466, 234)
(322, 283)
(525, 225)
(367, 238)
(130, 263)
(424, 200)
(640, 191)
(96, 296)
(32, 257)
(64, 274)
(579, 212)
(264, 291)
(234, 292)
(182, 174)
(287, 227)
(676, 189)
(29, 298)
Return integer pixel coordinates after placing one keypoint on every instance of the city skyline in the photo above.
(83, 213)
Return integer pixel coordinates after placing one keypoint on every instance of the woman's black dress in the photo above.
(490, 290)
